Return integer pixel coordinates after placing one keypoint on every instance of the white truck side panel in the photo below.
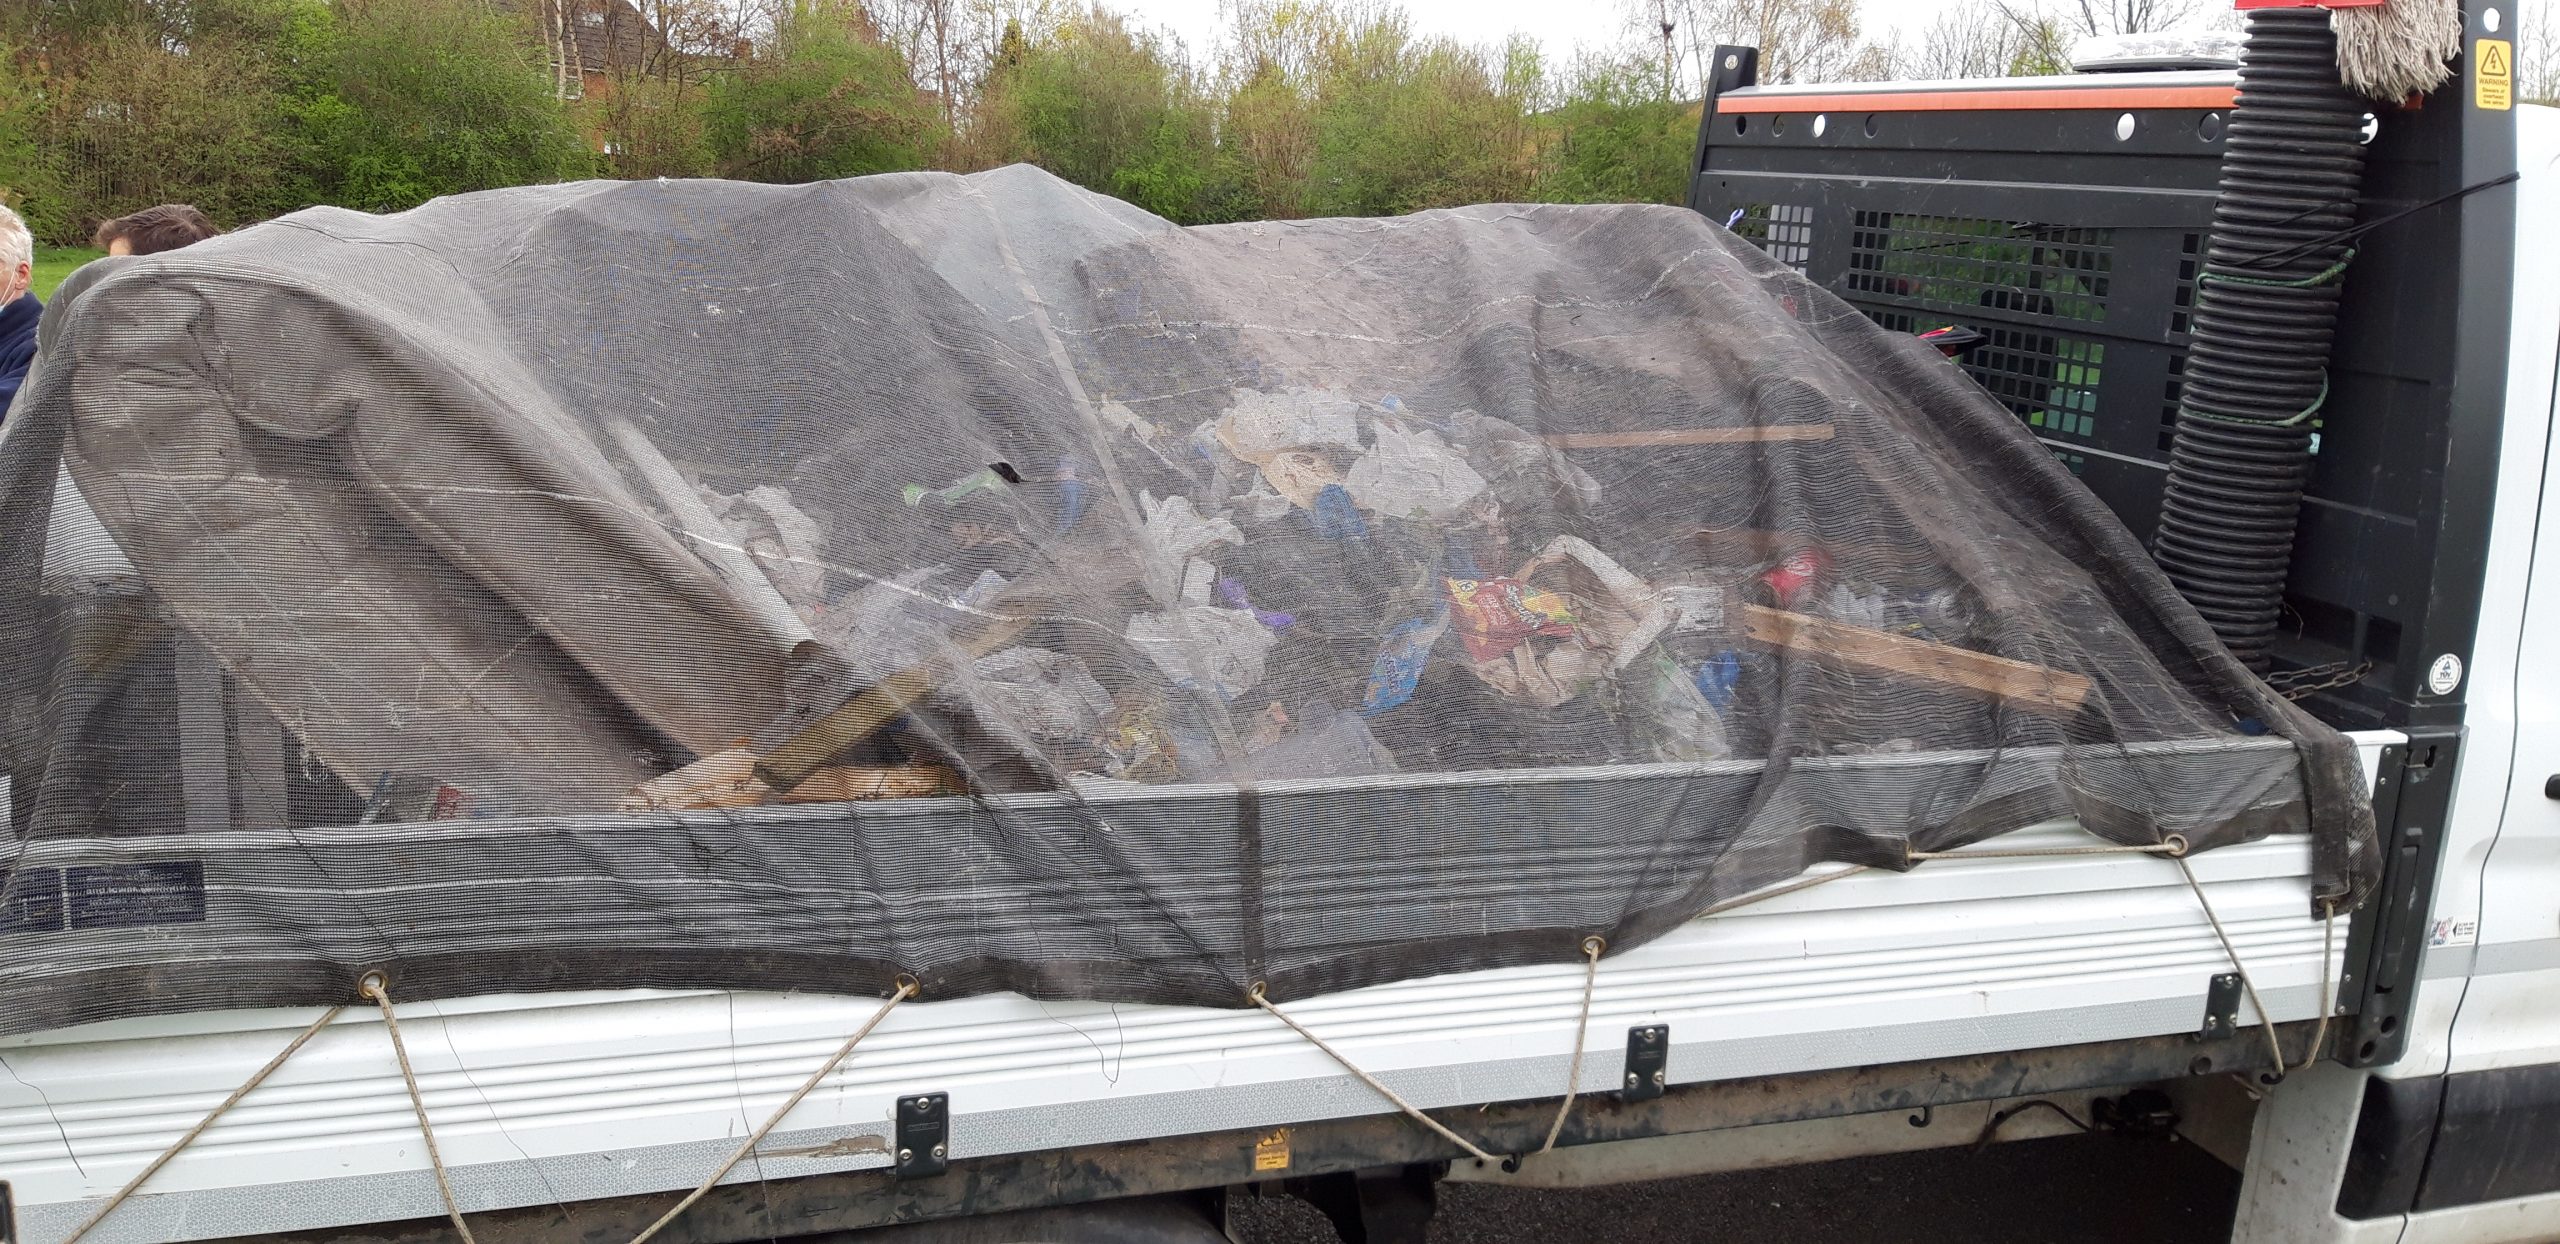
(2490, 989)
(2490, 717)
(2510, 1011)
(568, 1097)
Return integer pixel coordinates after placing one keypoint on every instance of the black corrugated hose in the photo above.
(2266, 309)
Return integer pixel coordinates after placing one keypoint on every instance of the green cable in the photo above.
(2189, 412)
(2322, 277)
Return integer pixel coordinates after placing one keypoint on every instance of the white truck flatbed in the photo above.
(555, 1098)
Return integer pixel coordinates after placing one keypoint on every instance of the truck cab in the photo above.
(2062, 221)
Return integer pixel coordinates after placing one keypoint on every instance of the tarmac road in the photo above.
(2066, 1190)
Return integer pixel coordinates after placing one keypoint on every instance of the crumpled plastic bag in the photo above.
(1689, 727)
(1260, 425)
(1518, 464)
(1050, 696)
(1624, 615)
(1614, 617)
(1324, 743)
(889, 624)
(785, 543)
(1299, 476)
(982, 591)
(1412, 475)
(1936, 616)
(1204, 646)
(1397, 670)
(1139, 744)
(1175, 535)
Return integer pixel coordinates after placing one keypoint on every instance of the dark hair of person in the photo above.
(156, 229)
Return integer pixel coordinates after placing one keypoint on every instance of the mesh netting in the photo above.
(702, 584)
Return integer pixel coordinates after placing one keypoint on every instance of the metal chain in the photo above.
(2295, 684)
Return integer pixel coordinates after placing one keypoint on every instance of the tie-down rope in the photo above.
(2275, 1048)
(2328, 1000)
(908, 987)
(374, 987)
(166, 1155)
(1591, 948)
(2175, 847)
(1255, 994)
(377, 987)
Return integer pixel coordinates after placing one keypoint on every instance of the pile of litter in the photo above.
(1524, 572)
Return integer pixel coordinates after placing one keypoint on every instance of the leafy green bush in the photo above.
(1403, 125)
(28, 182)
(1108, 108)
(822, 98)
(430, 97)
(252, 108)
(1617, 139)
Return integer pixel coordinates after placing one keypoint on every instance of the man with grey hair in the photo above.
(19, 307)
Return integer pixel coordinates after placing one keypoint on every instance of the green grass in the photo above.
(56, 262)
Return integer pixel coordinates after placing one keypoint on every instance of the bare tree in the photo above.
(1799, 40)
(948, 44)
(2538, 52)
(2043, 30)
(1975, 39)
(1666, 19)
(2124, 17)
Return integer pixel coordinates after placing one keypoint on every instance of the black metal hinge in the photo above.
(1648, 1056)
(923, 1135)
(2221, 1008)
(2411, 800)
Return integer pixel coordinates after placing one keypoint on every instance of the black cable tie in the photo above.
(2352, 232)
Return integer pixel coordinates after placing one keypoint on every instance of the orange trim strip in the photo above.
(2028, 100)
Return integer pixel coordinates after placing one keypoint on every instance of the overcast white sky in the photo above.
(1557, 24)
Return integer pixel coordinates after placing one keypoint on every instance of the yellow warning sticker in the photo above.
(2494, 74)
(1271, 1153)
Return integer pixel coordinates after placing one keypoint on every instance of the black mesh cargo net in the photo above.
(709, 585)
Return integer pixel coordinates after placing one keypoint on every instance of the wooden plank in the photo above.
(1744, 546)
(2033, 687)
(804, 754)
(1011, 613)
(1729, 547)
(1691, 436)
(728, 779)
(855, 783)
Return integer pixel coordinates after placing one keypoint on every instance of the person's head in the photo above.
(154, 229)
(17, 257)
